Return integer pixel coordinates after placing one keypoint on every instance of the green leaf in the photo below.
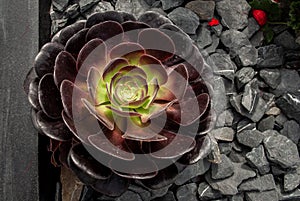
(268, 34)
(294, 14)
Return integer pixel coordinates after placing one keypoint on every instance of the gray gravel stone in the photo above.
(143, 193)
(225, 147)
(286, 40)
(239, 45)
(263, 183)
(135, 7)
(238, 197)
(102, 6)
(60, 5)
(217, 29)
(269, 56)
(220, 99)
(207, 193)
(72, 11)
(87, 4)
(234, 13)
(192, 171)
(290, 196)
(203, 37)
(252, 28)
(225, 118)
(281, 119)
(168, 197)
(215, 42)
(224, 134)
(204, 9)
(257, 158)
(250, 138)
(129, 195)
(262, 196)
(290, 82)
(167, 4)
(289, 103)
(281, 150)
(186, 19)
(222, 65)
(223, 169)
(244, 75)
(237, 157)
(258, 111)
(275, 111)
(257, 39)
(291, 129)
(271, 77)
(266, 124)
(250, 97)
(229, 185)
(187, 192)
(291, 180)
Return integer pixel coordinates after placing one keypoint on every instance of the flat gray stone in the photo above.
(204, 9)
(204, 38)
(229, 185)
(258, 112)
(87, 4)
(134, 7)
(223, 169)
(207, 193)
(129, 195)
(250, 138)
(167, 4)
(239, 45)
(225, 118)
(244, 75)
(187, 192)
(250, 97)
(286, 40)
(257, 158)
(257, 39)
(238, 197)
(262, 196)
(272, 77)
(270, 56)
(60, 5)
(222, 65)
(291, 180)
(263, 183)
(291, 129)
(289, 103)
(223, 134)
(102, 6)
(191, 171)
(266, 124)
(234, 13)
(281, 150)
(286, 85)
(168, 197)
(293, 195)
(252, 28)
(215, 43)
(217, 29)
(186, 19)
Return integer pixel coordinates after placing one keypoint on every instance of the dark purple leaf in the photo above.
(53, 128)
(49, 97)
(65, 68)
(76, 42)
(45, 60)
(67, 32)
(33, 94)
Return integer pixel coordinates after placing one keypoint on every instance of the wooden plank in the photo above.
(18, 140)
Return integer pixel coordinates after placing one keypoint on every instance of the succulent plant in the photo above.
(122, 99)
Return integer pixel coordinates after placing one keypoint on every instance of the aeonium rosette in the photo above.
(122, 99)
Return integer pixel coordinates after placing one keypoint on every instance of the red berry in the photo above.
(260, 16)
(213, 22)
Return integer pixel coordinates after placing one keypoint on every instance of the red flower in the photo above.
(260, 16)
(213, 22)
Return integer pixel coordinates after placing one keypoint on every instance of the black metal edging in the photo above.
(49, 176)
